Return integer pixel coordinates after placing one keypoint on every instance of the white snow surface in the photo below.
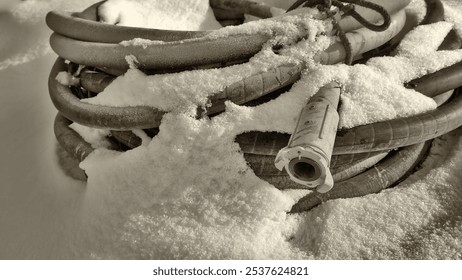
(160, 14)
(189, 193)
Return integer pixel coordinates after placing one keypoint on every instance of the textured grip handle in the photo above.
(307, 156)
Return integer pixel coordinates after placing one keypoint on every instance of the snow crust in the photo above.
(96, 137)
(159, 14)
(372, 92)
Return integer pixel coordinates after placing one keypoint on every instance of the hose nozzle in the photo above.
(306, 158)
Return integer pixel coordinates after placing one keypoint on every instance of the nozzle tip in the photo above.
(305, 169)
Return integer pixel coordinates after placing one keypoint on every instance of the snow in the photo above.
(374, 92)
(145, 139)
(189, 193)
(96, 137)
(160, 14)
(67, 79)
(426, 206)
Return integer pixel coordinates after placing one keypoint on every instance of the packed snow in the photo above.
(188, 193)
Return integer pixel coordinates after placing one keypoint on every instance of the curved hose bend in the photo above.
(124, 118)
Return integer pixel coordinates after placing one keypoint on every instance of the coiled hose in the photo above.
(95, 47)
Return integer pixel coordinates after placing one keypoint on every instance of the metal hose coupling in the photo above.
(306, 158)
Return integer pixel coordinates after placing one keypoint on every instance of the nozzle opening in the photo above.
(305, 169)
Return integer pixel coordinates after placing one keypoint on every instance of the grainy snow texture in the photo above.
(419, 219)
(189, 193)
(160, 14)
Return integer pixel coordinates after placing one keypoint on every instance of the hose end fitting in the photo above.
(306, 166)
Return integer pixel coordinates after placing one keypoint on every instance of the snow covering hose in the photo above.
(95, 47)
(250, 88)
(111, 56)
